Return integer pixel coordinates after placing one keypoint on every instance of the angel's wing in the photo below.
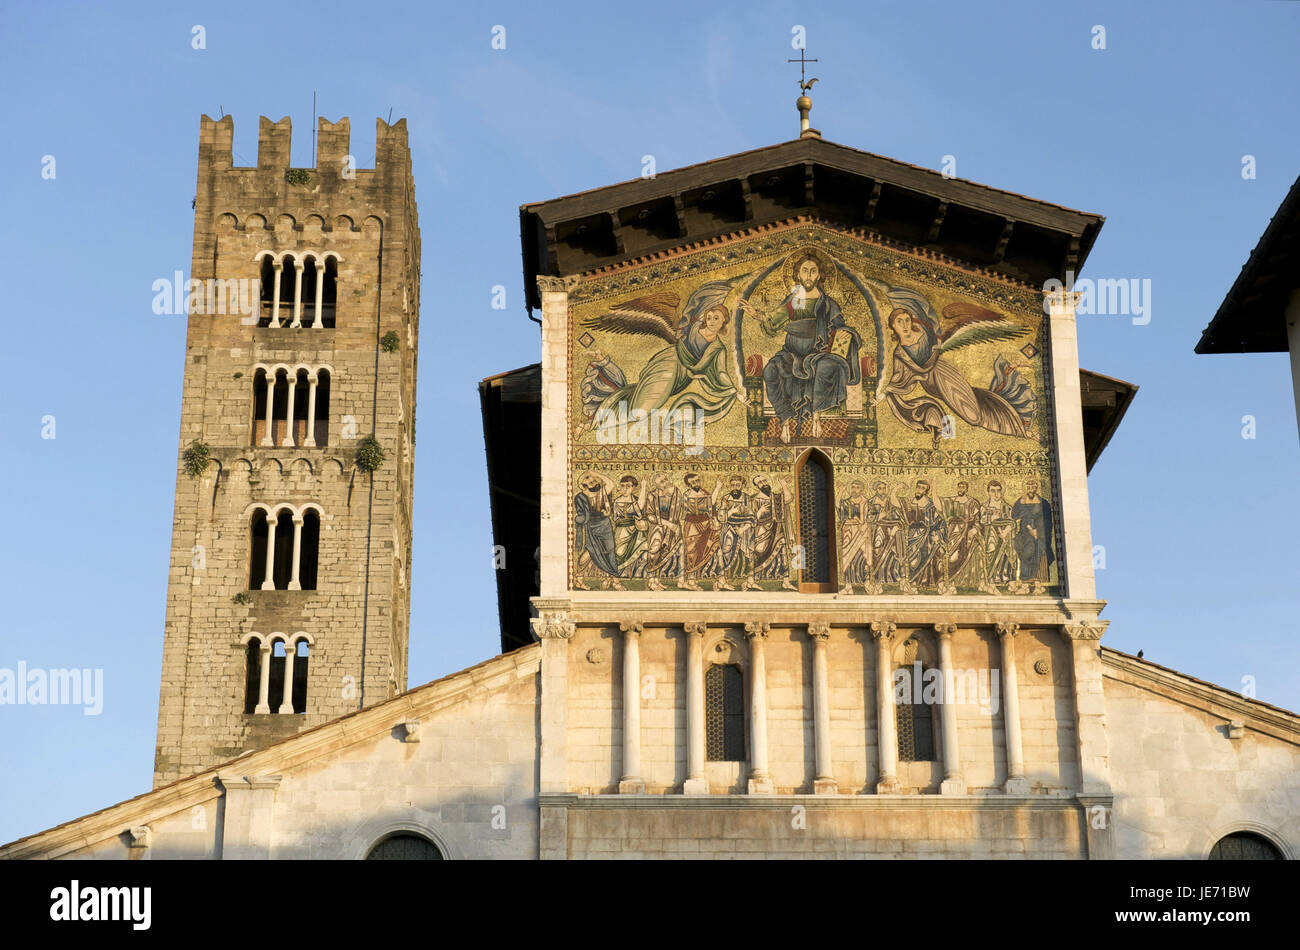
(653, 315)
(976, 325)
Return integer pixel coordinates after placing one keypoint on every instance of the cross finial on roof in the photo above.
(804, 103)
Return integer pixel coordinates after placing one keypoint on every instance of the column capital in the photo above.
(631, 628)
(312, 377)
(819, 630)
(757, 628)
(883, 629)
(272, 517)
(1060, 300)
(299, 265)
(695, 628)
(1006, 628)
(299, 520)
(1087, 630)
(555, 285)
(278, 265)
(553, 627)
(945, 630)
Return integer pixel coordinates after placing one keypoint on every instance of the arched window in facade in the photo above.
(298, 289)
(724, 713)
(813, 486)
(405, 847)
(1244, 846)
(284, 548)
(915, 729)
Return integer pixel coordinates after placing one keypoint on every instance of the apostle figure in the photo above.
(925, 541)
(663, 514)
(773, 531)
(627, 511)
(1034, 540)
(888, 537)
(594, 537)
(699, 532)
(819, 359)
(734, 560)
(999, 539)
(965, 540)
(856, 551)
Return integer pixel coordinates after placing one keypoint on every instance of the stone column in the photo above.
(286, 699)
(297, 294)
(631, 783)
(268, 431)
(275, 294)
(294, 583)
(1016, 783)
(1095, 795)
(887, 724)
(319, 320)
(556, 504)
(264, 680)
(819, 632)
(953, 782)
(760, 781)
(291, 377)
(697, 780)
(269, 582)
(310, 441)
(1076, 521)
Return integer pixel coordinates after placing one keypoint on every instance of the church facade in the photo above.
(807, 556)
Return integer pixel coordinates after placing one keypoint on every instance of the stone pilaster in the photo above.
(555, 433)
(248, 817)
(1075, 562)
(760, 781)
(1095, 794)
(953, 782)
(819, 632)
(554, 630)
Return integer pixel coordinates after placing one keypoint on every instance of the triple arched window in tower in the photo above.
(275, 679)
(299, 289)
(291, 406)
(284, 547)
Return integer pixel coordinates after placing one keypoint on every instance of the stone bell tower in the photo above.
(288, 597)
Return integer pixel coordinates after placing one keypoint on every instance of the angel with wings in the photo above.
(694, 373)
(1006, 406)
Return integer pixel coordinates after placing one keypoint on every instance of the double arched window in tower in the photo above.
(275, 677)
(291, 406)
(284, 547)
(299, 289)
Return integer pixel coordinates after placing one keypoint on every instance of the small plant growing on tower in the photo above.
(196, 458)
(239, 376)
(389, 341)
(242, 599)
(297, 176)
(370, 454)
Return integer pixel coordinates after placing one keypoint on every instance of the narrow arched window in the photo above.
(300, 677)
(1244, 846)
(309, 550)
(257, 533)
(267, 289)
(405, 847)
(283, 567)
(329, 296)
(252, 674)
(915, 721)
(321, 422)
(276, 679)
(815, 557)
(724, 713)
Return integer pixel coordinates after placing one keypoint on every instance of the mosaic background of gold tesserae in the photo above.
(920, 371)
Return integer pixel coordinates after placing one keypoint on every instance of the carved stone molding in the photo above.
(1006, 628)
(632, 628)
(553, 627)
(756, 628)
(141, 836)
(1088, 630)
(883, 629)
(945, 630)
(695, 628)
(555, 285)
(819, 630)
(411, 730)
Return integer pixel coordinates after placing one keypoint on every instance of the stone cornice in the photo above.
(558, 284)
(1065, 801)
(374, 722)
(1218, 701)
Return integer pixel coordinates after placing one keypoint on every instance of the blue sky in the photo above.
(1198, 522)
